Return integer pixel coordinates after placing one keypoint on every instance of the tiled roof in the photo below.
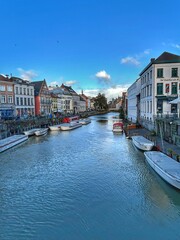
(37, 87)
(165, 57)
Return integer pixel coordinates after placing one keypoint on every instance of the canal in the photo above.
(86, 184)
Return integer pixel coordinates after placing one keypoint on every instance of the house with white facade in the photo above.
(24, 97)
(160, 81)
(133, 94)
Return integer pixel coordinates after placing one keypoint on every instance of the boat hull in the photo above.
(41, 132)
(31, 132)
(85, 121)
(12, 141)
(166, 167)
(55, 127)
(142, 143)
(67, 127)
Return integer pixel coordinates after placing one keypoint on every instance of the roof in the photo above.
(165, 57)
(69, 89)
(37, 86)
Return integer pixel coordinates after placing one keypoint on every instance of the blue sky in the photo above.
(94, 45)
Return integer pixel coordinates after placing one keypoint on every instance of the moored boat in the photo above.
(55, 127)
(85, 121)
(70, 126)
(142, 143)
(117, 127)
(41, 132)
(165, 166)
(31, 132)
(12, 141)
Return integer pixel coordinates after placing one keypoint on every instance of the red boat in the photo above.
(70, 119)
(118, 127)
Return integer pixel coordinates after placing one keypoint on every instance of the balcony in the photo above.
(169, 116)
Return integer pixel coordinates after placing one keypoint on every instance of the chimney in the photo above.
(152, 60)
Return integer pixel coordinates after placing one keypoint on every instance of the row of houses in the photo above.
(153, 97)
(22, 98)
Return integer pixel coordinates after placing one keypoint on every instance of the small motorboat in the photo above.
(142, 143)
(31, 132)
(117, 127)
(70, 126)
(12, 141)
(55, 127)
(165, 166)
(85, 121)
(41, 132)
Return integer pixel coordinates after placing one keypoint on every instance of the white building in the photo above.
(24, 97)
(159, 85)
(133, 93)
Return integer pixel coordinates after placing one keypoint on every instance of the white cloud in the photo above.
(103, 75)
(55, 83)
(112, 92)
(175, 45)
(130, 60)
(147, 51)
(27, 74)
(69, 83)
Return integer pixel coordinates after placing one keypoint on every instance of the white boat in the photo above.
(70, 126)
(55, 127)
(41, 131)
(117, 127)
(12, 141)
(31, 131)
(142, 143)
(165, 166)
(85, 121)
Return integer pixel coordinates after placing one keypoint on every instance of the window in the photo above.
(16, 90)
(174, 88)
(10, 99)
(160, 106)
(151, 74)
(9, 88)
(2, 88)
(21, 100)
(29, 102)
(25, 101)
(167, 88)
(3, 99)
(159, 72)
(173, 108)
(17, 101)
(20, 90)
(159, 88)
(27, 91)
(24, 91)
(174, 72)
(32, 102)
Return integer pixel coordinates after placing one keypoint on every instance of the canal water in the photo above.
(86, 184)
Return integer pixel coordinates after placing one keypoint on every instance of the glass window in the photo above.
(167, 88)
(173, 108)
(27, 91)
(3, 99)
(174, 72)
(174, 88)
(159, 72)
(9, 88)
(151, 74)
(2, 88)
(17, 101)
(10, 99)
(159, 88)
(24, 91)
(25, 101)
(21, 99)
(16, 90)
(20, 90)
(160, 106)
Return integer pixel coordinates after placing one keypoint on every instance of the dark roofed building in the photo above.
(42, 98)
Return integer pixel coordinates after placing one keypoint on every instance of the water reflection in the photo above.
(84, 184)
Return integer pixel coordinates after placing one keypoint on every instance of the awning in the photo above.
(175, 101)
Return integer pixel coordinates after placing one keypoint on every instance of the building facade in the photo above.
(7, 105)
(159, 85)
